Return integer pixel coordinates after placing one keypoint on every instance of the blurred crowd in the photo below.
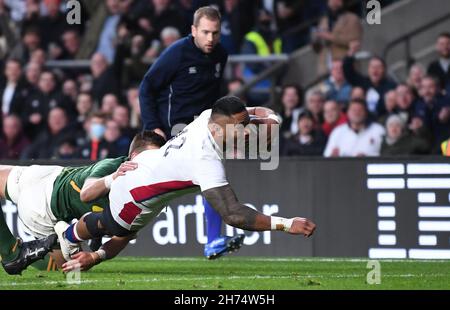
(353, 114)
(93, 112)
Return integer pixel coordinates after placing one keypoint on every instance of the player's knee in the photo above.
(94, 225)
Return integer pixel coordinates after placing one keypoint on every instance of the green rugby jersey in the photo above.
(66, 203)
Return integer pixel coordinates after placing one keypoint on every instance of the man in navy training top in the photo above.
(181, 84)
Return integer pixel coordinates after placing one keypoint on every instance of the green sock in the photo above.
(8, 246)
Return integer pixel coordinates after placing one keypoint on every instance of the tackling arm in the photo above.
(94, 188)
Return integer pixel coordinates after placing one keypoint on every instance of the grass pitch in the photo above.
(237, 273)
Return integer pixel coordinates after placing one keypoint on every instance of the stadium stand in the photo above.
(73, 72)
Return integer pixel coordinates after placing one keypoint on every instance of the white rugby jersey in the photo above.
(350, 143)
(188, 161)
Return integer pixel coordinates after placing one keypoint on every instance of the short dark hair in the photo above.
(228, 106)
(144, 139)
(98, 114)
(31, 30)
(359, 101)
(306, 114)
(444, 35)
(209, 12)
(85, 93)
(380, 59)
(433, 78)
(16, 60)
(297, 88)
(237, 79)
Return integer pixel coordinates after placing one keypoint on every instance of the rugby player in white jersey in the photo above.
(189, 162)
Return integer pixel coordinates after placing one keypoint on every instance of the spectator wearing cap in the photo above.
(376, 84)
(398, 141)
(308, 141)
(440, 68)
(358, 137)
(333, 117)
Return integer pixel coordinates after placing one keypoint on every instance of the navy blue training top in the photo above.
(181, 84)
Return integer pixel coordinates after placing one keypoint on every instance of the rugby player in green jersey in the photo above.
(45, 195)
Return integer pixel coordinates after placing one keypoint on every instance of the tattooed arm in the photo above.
(224, 200)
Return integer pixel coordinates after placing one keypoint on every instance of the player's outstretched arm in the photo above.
(86, 260)
(94, 188)
(224, 200)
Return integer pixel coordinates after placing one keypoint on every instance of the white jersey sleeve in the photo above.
(208, 174)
